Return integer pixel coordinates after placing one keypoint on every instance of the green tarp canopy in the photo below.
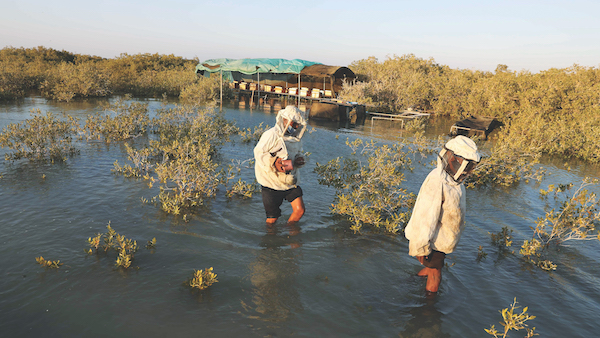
(252, 66)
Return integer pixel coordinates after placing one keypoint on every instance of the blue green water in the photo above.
(324, 281)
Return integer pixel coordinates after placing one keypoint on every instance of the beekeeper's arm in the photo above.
(425, 216)
(263, 149)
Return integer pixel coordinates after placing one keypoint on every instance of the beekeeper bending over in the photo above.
(278, 157)
(438, 217)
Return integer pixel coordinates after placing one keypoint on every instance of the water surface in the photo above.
(314, 280)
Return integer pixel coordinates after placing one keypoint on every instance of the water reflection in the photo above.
(425, 320)
(273, 272)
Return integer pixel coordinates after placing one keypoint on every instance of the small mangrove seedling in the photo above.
(513, 321)
(124, 247)
(124, 259)
(503, 238)
(151, 244)
(109, 238)
(481, 255)
(48, 264)
(94, 242)
(202, 279)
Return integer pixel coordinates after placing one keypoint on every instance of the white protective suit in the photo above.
(274, 143)
(438, 216)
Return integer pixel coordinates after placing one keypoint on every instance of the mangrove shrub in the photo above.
(556, 111)
(42, 137)
(63, 76)
(369, 189)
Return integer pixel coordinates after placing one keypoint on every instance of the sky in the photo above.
(478, 35)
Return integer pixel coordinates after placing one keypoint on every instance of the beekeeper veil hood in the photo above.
(466, 157)
(293, 117)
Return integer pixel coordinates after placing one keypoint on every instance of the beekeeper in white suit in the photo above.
(278, 156)
(438, 217)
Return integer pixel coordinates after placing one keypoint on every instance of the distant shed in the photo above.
(475, 125)
(279, 72)
(326, 77)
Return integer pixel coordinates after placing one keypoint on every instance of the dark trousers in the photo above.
(435, 260)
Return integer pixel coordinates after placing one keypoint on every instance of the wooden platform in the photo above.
(405, 115)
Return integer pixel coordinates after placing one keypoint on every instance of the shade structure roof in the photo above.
(253, 66)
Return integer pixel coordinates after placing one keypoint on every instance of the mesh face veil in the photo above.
(293, 117)
(456, 166)
(292, 132)
(459, 157)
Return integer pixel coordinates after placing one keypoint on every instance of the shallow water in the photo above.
(324, 281)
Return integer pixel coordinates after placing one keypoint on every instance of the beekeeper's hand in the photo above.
(278, 164)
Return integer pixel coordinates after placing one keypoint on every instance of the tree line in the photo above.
(63, 76)
(556, 111)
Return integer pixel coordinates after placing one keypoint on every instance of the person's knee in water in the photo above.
(273, 199)
(434, 262)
